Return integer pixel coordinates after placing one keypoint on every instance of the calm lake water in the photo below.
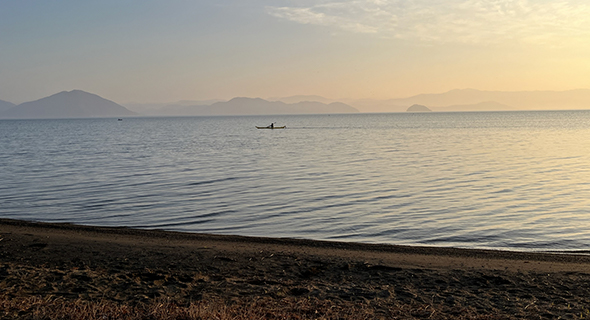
(501, 180)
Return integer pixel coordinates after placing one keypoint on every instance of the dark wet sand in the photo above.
(137, 266)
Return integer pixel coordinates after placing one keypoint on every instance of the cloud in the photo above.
(450, 21)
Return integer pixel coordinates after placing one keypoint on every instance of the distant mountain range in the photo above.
(170, 108)
(470, 100)
(482, 106)
(80, 104)
(247, 106)
(67, 104)
(477, 100)
(527, 100)
(301, 98)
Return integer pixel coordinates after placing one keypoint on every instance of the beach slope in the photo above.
(44, 267)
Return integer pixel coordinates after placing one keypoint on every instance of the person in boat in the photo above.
(272, 125)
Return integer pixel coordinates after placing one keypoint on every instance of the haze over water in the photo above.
(502, 180)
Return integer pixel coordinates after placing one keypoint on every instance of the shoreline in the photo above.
(445, 250)
(135, 266)
(449, 255)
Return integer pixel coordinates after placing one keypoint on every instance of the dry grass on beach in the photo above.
(61, 271)
(52, 308)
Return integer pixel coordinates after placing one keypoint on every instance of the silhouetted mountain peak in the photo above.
(68, 104)
(5, 105)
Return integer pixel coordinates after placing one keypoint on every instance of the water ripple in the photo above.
(502, 180)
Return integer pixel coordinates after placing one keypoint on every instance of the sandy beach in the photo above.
(44, 267)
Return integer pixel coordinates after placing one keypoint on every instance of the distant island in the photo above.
(418, 108)
(67, 104)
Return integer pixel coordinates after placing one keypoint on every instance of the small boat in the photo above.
(269, 127)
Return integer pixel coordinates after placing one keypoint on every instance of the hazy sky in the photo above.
(156, 51)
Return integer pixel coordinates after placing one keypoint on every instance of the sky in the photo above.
(163, 51)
